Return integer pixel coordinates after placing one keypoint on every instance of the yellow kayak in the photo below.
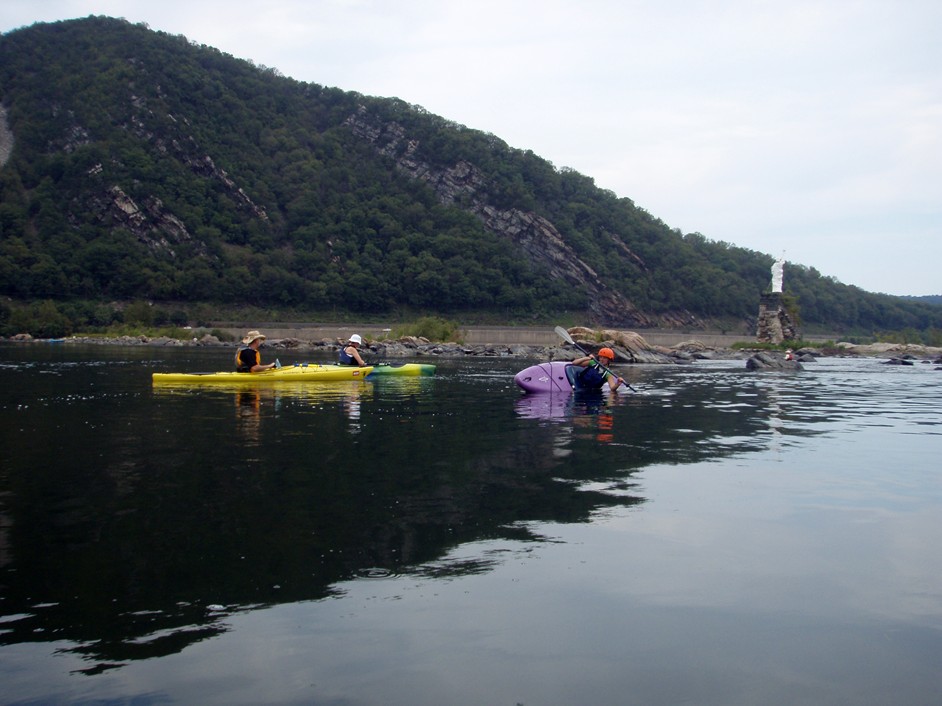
(295, 373)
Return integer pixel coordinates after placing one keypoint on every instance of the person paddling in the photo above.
(350, 353)
(247, 358)
(594, 373)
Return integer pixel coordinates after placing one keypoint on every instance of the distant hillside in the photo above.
(935, 299)
(138, 165)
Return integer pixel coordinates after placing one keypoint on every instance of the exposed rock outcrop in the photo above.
(151, 125)
(151, 222)
(462, 183)
(893, 350)
(768, 361)
(149, 219)
(629, 346)
(6, 137)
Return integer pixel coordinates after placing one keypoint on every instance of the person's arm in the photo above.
(356, 356)
(584, 361)
(258, 367)
(614, 382)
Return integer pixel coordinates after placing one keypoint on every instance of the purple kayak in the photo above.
(545, 377)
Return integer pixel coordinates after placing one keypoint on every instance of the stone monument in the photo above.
(774, 325)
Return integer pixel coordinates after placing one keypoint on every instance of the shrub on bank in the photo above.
(432, 328)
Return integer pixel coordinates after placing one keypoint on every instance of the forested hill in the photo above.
(137, 165)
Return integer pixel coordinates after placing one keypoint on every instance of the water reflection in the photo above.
(137, 519)
(248, 415)
(249, 402)
(159, 513)
(680, 420)
(563, 406)
(588, 414)
(305, 392)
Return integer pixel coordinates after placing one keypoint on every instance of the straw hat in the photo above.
(252, 336)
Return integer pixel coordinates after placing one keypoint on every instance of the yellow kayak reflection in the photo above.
(293, 389)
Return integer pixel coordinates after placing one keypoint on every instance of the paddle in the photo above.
(384, 360)
(564, 334)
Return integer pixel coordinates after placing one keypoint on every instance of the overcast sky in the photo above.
(809, 127)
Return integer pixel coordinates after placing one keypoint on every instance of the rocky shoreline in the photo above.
(629, 347)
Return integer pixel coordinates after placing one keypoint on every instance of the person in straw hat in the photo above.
(247, 358)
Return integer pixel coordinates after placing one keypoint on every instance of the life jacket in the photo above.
(346, 358)
(244, 363)
(591, 377)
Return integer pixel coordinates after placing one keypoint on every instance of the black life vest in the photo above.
(245, 358)
(592, 378)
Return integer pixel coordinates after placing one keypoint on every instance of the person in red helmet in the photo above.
(594, 374)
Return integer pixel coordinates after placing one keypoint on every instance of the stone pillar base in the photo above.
(774, 324)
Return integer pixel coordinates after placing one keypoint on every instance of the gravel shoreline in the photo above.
(638, 351)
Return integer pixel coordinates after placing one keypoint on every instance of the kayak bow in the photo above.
(404, 369)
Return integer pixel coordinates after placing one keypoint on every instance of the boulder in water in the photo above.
(769, 361)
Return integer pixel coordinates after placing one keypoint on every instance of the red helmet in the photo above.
(607, 353)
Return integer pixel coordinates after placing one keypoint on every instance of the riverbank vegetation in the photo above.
(50, 319)
(432, 328)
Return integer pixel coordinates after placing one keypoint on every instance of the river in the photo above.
(718, 537)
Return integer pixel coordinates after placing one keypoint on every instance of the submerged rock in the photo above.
(898, 361)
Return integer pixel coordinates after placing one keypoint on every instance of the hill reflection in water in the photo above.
(138, 520)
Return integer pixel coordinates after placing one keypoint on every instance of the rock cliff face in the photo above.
(150, 221)
(175, 140)
(464, 185)
(6, 137)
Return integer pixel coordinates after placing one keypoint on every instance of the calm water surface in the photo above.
(721, 537)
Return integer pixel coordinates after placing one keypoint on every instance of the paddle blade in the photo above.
(564, 334)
